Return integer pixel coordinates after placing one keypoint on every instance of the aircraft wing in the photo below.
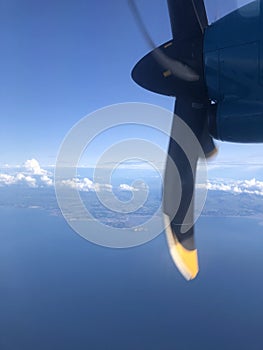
(217, 9)
(213, 11)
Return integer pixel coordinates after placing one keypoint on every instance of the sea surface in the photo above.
(59, 291)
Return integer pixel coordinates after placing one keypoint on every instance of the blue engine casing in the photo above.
(233, 61)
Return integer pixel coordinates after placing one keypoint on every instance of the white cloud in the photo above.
(19, 178)
(30, 181)
(6, 179)
(125, 187)
(85, 185)
(252, 186)
(32, 166)
(46, 180)
(79, 184)
(102, 187)
(30, 174)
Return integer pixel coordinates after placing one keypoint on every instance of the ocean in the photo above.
(59, 291)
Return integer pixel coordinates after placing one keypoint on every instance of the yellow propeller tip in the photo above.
(212, 154)
(185, 260)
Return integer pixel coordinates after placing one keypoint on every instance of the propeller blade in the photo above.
(188, 18)
(207, 143)
(175, 67)
(180, 243)
(185, 259)
(180, 225)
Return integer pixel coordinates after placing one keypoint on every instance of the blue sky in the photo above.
(61, 60)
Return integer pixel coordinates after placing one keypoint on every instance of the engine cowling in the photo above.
(234, 121)
(233, 51)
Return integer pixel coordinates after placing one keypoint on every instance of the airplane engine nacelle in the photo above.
(237, 121)
(233, 65)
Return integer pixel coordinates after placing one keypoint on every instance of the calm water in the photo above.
(58, 291)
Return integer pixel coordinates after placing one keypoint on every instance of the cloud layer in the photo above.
(30, 174)
(85, 185)
(252, 186)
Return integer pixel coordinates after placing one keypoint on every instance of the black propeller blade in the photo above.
(160, 71)
(180, 227)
